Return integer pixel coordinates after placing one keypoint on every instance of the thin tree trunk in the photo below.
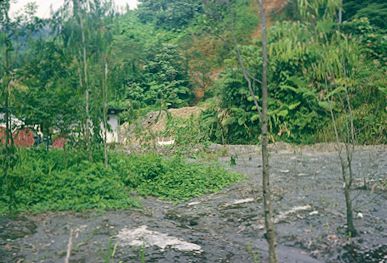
(86, 82)
(87, 91)
(269, 225)
(351, 230)
(8, 132)
(346, 171)
(105, 109)
(340, 12)
(349, 148)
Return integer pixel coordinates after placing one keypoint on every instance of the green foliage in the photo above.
(183, 181)
(186, 132)
(166, 76)
(372, 39)
(59, 180)
(157, 79)
(374, 10)
(172, 178)
(137, 170)
(158, 55)
(304, 55)
(65, 181)
(50, 95)
(9, 182)
(169, 14)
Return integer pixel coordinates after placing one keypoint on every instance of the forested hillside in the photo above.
(101, 109)
(170, 54)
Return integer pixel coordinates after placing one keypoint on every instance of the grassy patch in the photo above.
(57, 180)
(173, 178)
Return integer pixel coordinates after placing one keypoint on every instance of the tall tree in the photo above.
(267, 203)
(80, 9)
(8, 153)
(5, 76)
(102, 19)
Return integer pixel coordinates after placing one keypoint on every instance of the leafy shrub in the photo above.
(134, 170)
(59, 180)
(182, 181)
(48, 183)
(172, 179)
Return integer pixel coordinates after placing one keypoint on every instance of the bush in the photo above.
(183, 181)
(59, 180)
(173, 178)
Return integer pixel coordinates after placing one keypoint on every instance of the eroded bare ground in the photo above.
(227, 226)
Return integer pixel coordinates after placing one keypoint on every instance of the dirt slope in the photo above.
(271, 7)
(153, 124)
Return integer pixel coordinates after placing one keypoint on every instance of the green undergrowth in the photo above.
(67, 181)
(173, 178)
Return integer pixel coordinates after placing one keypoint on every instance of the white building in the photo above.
(113, 131)
(15, 122)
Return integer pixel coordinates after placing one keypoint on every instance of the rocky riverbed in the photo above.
(227, 226)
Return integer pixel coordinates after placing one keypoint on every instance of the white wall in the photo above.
(114, 128)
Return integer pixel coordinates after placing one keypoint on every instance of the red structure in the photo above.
(2, 135)
(22, 138)
(59, 143)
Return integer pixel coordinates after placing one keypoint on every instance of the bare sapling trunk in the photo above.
(8, 132)
(105, 113)
(87, 91)
(340, 15)
(85, 81)
(267, 202)
(345, 152)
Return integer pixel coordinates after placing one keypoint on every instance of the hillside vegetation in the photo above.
(171, 54)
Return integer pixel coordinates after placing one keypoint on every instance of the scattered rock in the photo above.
(315, 212)
(242, 201)
(141, 236)
(193, 203)
(284, 215)
(238, 202)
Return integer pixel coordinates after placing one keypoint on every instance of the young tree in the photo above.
(102, 19)
(82, 30)
(266, 188)
(6, 69)
(49, 97)
(337, 70)
(71, 22)
(8, 153)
